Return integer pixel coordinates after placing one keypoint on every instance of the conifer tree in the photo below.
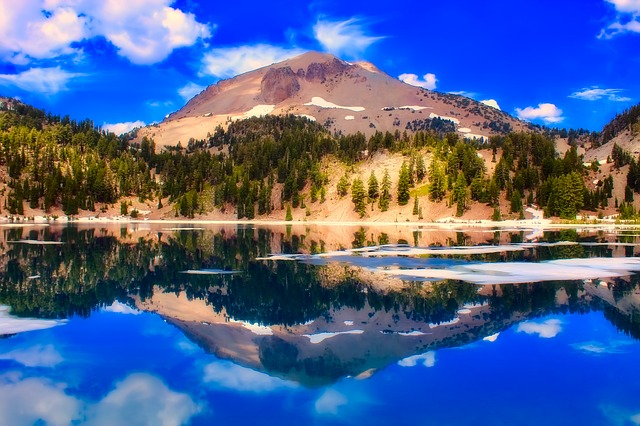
(359, 197)
(374, 190)
(460, 195)
(437, 181)
(343, 186)
(403, 185)
(385, 192)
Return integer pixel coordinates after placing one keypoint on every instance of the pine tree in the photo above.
(416, 206)
(421, 170)
(460, 196)
(437, 181)
(374, 191)
(403, 185)
(516, 202)
(289, 215)
(385, 192)
(343, 186)
(359, 197)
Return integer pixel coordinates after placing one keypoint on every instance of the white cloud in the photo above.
(635, 419)
(547, 329)
(35, 401)
(46, 81)
(138, 399)
(227, 62)
(549, 113)
(626, 6)
(595, 93)
(232, 376)
(190, 90)
(428, 359)
(143, 31)
(628, 19)
(120, 128)
(343, 37)
(36, 356)
(26, 32)
(116, 306)
(492, 103)
(143, 399)
(428, 80)
(601, 348)
(330, 402)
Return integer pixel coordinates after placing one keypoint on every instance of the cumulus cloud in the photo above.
(231, 376)
(26, 33)
(547, 329)
(117, 307)
(35, 356)
(595, 93)
(35, 401)
(190, 90)
(120, 128)
(549, 113)
(492, 103)
(343, 37)
(428, 359)
(330, 402)
(143, 31)
(428, 81)
(627, 19)
(227, 62)
(46, 81)
(138, 399)
(143, 399)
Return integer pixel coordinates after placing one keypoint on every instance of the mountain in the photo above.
(344, 97)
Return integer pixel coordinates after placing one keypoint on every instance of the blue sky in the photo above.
(565, 64)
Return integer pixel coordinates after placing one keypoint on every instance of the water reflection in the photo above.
(328, 314)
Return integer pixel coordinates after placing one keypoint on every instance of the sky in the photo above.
(125, 63)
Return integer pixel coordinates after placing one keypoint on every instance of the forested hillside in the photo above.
(264, 167)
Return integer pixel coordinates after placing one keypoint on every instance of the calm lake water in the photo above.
(168, 324)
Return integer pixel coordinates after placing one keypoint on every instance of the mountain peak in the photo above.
(345, 97)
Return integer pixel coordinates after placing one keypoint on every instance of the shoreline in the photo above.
(446, 223)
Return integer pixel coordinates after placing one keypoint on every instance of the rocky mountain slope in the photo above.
(344, 97)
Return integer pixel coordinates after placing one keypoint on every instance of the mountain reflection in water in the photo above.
(310, 305)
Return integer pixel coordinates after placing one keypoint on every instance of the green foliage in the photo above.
(374, 190)
(359, 196)
(385, 192)
(416, 206)
(343, 186)
(437, 181)
(496, 216)
(566, 196)
(627, 211)
(289, 215)
(460, 194)
(403, 185)
(516, 202)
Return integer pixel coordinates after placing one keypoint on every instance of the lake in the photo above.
(170, 324)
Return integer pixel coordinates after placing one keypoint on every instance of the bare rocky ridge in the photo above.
(279, 84)
(345, 97)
